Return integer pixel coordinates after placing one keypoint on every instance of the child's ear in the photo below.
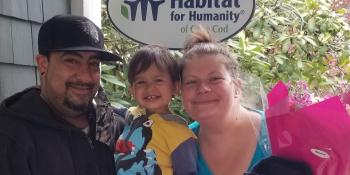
(131, 91)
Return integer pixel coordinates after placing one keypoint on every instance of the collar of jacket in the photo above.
(29, 106)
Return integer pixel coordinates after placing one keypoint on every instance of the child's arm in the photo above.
(121, 111)
(109, 123)
(184, 158)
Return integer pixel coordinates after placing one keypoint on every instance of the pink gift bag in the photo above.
(318, 135)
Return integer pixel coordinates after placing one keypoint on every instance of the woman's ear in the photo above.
(43, 63)
(238, 87)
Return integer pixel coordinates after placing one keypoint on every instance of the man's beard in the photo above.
(75, 107)
(82, 107)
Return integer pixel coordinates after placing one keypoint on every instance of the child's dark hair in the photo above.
(203, 43)
(152, 54)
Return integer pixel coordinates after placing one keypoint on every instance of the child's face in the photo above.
(153, 90)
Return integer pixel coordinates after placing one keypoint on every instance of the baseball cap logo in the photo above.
(130, 8)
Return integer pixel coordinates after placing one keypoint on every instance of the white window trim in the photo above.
(88, 8)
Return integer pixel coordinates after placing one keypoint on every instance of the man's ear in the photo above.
(43, 63)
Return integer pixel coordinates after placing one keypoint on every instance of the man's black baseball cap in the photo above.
(72, 33)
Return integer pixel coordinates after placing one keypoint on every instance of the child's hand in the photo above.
(347, 107)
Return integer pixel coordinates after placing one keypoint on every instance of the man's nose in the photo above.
(85, 73)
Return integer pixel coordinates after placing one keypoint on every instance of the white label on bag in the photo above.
(320, 153)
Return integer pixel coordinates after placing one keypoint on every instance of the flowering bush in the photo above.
(297, 40)
(301, 95)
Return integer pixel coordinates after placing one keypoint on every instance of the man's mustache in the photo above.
(80, 84)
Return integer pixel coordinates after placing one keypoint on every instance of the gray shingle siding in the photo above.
(20, 21)
(14, 78)
(6, 50)
(53, 7)
(22, 43)
(14, 8)
(35, 11)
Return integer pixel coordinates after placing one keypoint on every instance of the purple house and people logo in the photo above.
(169, 22)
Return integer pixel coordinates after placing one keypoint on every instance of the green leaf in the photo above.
(120, 103)
(279, 60)
(273, 22)
(242, 41)
(281, 19)
(125, 12)
(261, 63)
(324, 37)
(311, 25)
(310, 40)
(252, 23)
(341, 11)
(267, 35)
(324, 26)
(282, 56)
(301, 42)
(285, 46)
(258, 53)
(282, 38)
(300, 64)
(105, 67)
(267, 75)
(112, 79)
(257, 31)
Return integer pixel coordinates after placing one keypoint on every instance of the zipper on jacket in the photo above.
(91, 145)
(90, 142)
(93, 152)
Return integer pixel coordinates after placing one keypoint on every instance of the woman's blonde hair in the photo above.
(202, 42)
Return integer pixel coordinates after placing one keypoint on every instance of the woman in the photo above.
(231, 138)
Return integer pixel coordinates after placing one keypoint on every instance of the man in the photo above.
(51, 130)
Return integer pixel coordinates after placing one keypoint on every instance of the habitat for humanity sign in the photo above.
(169, 22)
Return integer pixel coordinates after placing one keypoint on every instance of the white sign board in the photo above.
(169, 22)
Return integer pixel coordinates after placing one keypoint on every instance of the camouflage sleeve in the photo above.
(109, 124)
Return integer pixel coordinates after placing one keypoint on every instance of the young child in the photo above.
(154, 141)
